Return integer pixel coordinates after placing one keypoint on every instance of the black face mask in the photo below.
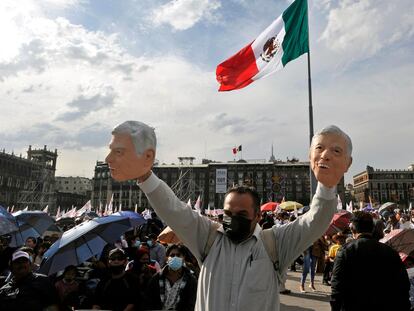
(236, 227)
(117, 269)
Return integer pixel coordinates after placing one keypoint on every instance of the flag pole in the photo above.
(312, 178)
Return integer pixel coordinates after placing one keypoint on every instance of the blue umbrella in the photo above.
(82, 242)
(135, 218)
(7, 222)
(31, 224)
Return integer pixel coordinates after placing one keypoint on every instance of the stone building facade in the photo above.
(273, 180)
(385, 186)
(28, 181)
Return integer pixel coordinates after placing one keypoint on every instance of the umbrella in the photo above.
(82, 242)
(7, 222)
(368, 208)
(268, 207)
(340, 221)
(89, 214)
(31, 224)
(168, 236)
(402, 240)
(387, 206)
(290, 205)
(135, 218)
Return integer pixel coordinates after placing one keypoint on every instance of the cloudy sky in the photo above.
(72, 69)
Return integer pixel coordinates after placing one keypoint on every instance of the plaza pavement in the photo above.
(297, 301)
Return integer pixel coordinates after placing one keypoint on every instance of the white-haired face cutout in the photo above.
(329, 158)
(123, 161)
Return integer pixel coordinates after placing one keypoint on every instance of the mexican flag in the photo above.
(284, 40)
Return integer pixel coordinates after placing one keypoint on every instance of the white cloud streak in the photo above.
(184, 14)
(360, 29)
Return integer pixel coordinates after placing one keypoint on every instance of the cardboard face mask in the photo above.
(124, 163)
(329, 159)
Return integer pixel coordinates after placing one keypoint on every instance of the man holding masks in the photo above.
(236, 270)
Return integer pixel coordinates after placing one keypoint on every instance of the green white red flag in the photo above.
(284, 40)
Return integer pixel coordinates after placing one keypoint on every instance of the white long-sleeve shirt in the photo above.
(239, 276)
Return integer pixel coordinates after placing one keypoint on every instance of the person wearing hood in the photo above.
(175, 288)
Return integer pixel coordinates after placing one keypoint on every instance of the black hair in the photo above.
(362, 222)
(34, 240)
(247, 190)
(181, 249)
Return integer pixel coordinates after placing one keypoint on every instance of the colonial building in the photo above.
(28, 181)
(385, 186)
(73, 191)
(273, 180)
(79, 185)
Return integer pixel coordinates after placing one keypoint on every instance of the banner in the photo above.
(221, 180)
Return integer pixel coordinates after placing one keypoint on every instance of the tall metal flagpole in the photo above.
(312, 180)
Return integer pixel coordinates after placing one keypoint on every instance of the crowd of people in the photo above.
(135, 273)
(140, 273)
(238, 262)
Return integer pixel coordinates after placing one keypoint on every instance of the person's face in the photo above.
(117, 260)
(30, 243)
(70, 275)
(123, 161)
(144, 259)
(175, 253)
(329, 159)
(21, 267)
(241, 204)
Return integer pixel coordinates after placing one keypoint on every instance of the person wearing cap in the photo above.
(121, 290)
(368, 274)
(237, 271)
(27, 290)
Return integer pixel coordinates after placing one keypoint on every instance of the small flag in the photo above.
(109, 209)
(349, 207)
(136, 208)
(339, 204)
(197, 205)
(284, 40)
(189, 203)
(237, 149)
(58, 213)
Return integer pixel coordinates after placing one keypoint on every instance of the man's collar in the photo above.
(257, 231)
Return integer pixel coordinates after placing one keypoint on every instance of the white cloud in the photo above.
(57, 70)
(183, 14)
(357, 30)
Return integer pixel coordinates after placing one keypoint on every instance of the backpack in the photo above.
(267, 236)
